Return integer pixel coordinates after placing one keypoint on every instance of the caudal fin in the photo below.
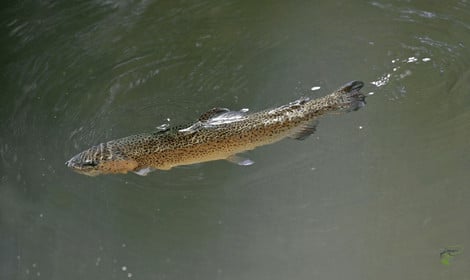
(351, 97)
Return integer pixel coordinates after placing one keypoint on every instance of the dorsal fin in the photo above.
(212, 113)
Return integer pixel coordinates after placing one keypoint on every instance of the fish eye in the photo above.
(90, 163)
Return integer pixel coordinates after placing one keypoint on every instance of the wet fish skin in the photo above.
(218, 134)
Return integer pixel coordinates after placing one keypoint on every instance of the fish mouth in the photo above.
(77, 164)
(70, 163)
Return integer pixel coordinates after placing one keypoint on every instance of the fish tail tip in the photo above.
(351, 95)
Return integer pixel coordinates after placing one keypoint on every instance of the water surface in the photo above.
(374, 194)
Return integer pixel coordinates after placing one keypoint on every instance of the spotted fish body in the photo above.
(218, 134)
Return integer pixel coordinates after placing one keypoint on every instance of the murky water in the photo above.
(375, 194)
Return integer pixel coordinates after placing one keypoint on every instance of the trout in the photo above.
(218, 134)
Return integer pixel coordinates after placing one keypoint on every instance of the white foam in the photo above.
(382, 80)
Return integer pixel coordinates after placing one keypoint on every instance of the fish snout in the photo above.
(73, 163)
(84, 165)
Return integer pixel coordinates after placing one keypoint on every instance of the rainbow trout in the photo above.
(217, 134)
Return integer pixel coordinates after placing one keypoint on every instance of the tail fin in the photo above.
(351, 98)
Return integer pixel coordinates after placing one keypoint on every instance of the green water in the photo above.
(375, 194)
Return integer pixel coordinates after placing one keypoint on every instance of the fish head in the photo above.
(99, 160)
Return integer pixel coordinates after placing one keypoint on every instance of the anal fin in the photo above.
(240, 160)
(304, 130)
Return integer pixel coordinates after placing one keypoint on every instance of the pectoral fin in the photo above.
(144, 171)
(240, 160)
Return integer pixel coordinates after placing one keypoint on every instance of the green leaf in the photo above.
(449, 253)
